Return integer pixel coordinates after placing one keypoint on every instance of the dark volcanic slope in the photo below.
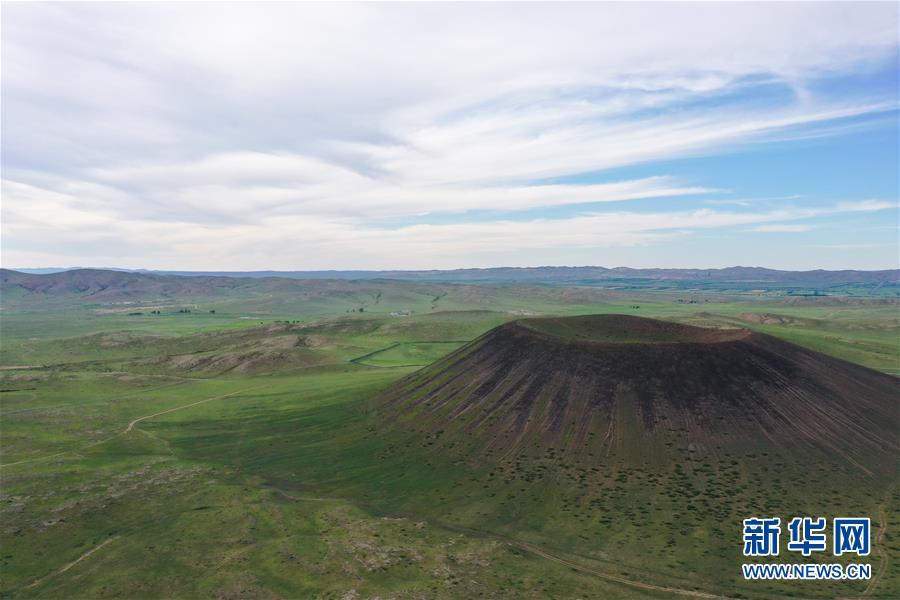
(591, 385)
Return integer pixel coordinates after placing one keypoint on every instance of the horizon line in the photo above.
(402, 270)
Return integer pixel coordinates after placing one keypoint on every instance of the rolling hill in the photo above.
(100, 286)
(562, 274)
(103, 284)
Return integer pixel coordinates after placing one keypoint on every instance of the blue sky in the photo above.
(302, 136)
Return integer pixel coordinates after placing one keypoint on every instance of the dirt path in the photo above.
(73, 563)
(609, 576)
(129, 428)
(525, 547)
(879, 549)
(163, 412)
(103, 401)
(28, 460)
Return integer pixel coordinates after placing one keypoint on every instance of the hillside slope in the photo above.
(589, 385)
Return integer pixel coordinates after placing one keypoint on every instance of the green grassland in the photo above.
(408, 354)
(239, 454)
(865, 332)
(163, 521)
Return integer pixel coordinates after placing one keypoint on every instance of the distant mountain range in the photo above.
(553, 275)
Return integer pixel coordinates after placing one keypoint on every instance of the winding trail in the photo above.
(123, 432)
(46, 456)
(524, 546)
(129, 428)
(163, 412)
(73, 563)
(609, 576)
(878, 548)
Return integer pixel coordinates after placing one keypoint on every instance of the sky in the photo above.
(238, 137)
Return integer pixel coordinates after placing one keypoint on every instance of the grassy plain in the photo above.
(215, 455)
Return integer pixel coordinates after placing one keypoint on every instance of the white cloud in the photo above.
(169, 135)
(782, 228)
(854, 246)
(283, 241)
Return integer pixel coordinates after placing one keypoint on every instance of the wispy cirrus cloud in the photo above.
(115, 236)
(193, 136)
(782, 228)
